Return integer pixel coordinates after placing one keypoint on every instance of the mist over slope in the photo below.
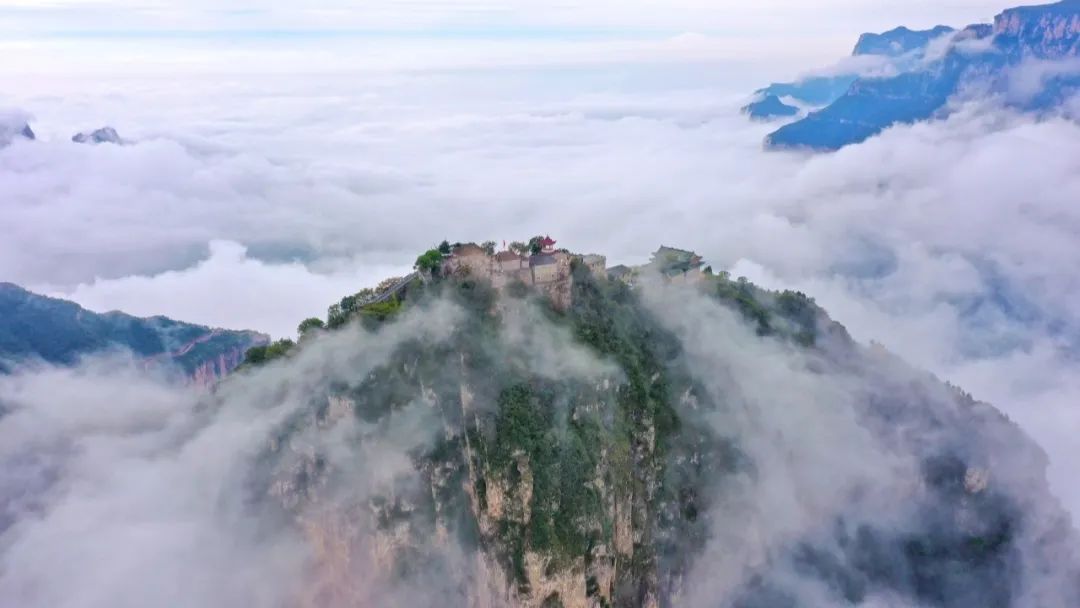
(709, 445)
(36, 329)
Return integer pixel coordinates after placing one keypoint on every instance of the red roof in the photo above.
(547, 242)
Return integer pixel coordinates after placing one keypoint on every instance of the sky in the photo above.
(91, 36)
(283, 157)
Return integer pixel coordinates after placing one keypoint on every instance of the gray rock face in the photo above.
(14, 125)
(104, 135)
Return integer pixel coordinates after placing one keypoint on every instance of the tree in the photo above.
(444, 248)
(429, 261)
(256, 355)
(279, 349)
(310, 325)
(488, 247)
(519, 248)
(708, 271)
(535, 245)
(264, 354)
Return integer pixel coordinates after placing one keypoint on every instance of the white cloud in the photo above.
(229, 289)
(272, 36)
(121, 490)
(954, 243)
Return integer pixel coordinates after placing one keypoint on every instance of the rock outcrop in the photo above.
(14, 125)
(104, 135)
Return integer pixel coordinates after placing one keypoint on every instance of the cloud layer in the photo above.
(953, 243)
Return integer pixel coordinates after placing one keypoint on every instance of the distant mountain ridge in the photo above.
(38, 328)
(897, 49)
(898, 41)
(980, 57)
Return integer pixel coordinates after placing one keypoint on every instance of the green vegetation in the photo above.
(788, 314)
(429, 261)
(801, 311)
(310, 325)
(488, 247)
(340, 313)
(742, 294)
(380, 311)
(534, 245)
(561, 464)
(260, 355)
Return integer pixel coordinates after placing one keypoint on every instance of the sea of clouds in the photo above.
(261, 188)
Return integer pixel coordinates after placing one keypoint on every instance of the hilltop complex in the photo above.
(549, 269)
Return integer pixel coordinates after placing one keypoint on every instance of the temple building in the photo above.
(549, 270)
(677, 265)
(547, 245)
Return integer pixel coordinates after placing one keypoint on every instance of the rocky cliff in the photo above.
(707, 444)
(990, 60)
(1050, 31)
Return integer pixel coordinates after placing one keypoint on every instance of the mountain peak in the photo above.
(104, 135)
(898, 41)
(768, 107)
(14, 124)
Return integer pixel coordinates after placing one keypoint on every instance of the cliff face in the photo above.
(209, 369)
(706, 445)
(1048, 33)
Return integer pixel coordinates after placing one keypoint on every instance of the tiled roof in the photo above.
(669, 258)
